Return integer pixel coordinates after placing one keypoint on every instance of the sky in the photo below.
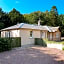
(28, 6)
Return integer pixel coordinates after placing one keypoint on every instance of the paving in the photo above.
(32, 55)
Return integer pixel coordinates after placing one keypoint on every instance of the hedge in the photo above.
(40, 41)
(15, 42)
(9, 43)
(62, 48)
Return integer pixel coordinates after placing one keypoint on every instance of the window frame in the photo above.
(7, 34)
(57, 34)
(31, 34)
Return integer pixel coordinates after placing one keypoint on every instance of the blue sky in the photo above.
(28, 6)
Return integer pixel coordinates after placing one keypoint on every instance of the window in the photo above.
(7, 34)
(57, 35)
(31, 33)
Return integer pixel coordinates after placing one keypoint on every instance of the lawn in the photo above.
(56, 42)
(52, 44)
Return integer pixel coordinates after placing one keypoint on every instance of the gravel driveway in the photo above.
(32, 55)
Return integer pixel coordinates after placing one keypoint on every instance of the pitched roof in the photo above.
(32, 26)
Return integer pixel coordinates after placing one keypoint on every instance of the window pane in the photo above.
(31, 33)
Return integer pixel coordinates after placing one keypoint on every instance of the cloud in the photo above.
(17, 2)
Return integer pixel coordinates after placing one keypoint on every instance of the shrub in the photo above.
(63, 42)
(9, 43)
(40, 41)
(16, 42)
(63, 48)
(4, 44)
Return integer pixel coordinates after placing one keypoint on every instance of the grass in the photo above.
(60, 42)
(54, 42)
(44, 42)
(63, 48)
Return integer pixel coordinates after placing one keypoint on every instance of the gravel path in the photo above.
(32, 55)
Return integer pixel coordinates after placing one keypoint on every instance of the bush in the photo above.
(16, 42)
(9, 43)
(63, 48)
(40, 41)
(63, 42)
(4, 44)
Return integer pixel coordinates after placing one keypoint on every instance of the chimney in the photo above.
(39, 22)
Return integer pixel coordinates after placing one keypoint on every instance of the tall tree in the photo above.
(4, 20)
(16, 17)
(32, 18)
(53, 16)
(45, 18)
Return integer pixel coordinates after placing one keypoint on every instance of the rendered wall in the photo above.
(25, 36)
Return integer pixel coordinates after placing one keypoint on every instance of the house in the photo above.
(28, 32)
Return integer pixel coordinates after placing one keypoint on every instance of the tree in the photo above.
(32, 18)
(51, 18)
(45, 18)
(29, 18)
(61, 17)
(53, 15)
(15, 17)
(3, 19)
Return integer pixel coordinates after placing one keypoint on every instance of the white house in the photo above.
(28, 32)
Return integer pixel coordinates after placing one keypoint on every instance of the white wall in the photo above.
(52, 45)
(36, 34)
(25, 36)
(43, 34)
(13, 33)
(3, 34)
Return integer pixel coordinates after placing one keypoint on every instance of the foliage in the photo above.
(15, 17)
(63, 48)
(40, 41)
(15, 42)
(9, 43)
(37, 40)
(56, 42)
(44, 42)
(4, 44)
(50, 18)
